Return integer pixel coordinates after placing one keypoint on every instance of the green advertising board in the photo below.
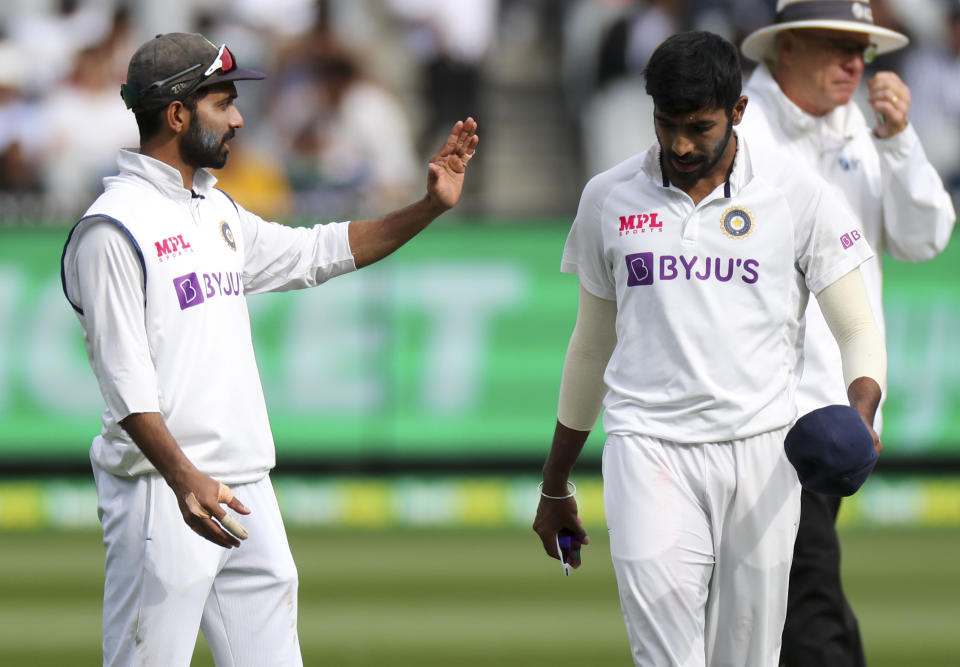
(449, 350)
(922, 308)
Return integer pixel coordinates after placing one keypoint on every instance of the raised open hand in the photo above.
(448, 166)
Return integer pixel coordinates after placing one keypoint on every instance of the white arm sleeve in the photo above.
(847, 311)
(593, 339)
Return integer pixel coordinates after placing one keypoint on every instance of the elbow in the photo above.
(918, 252)
(923, 241)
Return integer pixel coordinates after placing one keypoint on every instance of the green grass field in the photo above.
(484, 598)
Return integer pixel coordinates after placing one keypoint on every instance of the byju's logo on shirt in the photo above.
(640, 269)
(851, 237)
(172, 246)
(192, 291)
(640, 223)
(188, 290)
(643, 268)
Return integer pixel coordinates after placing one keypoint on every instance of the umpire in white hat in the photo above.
(811, 62)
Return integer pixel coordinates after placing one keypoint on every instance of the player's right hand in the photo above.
(200, 497)
(448, 165)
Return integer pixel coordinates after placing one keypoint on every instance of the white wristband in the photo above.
(570, 485)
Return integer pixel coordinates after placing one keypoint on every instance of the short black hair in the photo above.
(150, 122)
(694, 70)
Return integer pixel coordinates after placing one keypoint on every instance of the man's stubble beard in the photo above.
(708, 164)
(202, 147)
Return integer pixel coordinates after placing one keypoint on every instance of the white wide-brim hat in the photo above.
(846, 15)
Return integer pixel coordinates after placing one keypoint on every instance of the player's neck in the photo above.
(701, 188)
(168, 153)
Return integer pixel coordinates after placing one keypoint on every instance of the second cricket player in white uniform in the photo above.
(158, 271)
(694, 272)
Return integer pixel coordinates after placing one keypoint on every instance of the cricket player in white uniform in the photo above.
(694, 270)
(811, 62)
(157, 271)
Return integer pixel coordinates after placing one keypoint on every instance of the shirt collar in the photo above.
(163, 176)
(740, 174)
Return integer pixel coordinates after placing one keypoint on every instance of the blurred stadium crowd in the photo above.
(360, 91)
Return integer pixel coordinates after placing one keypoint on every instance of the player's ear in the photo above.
(738, 108)
(177, 116)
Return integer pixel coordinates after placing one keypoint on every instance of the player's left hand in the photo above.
(890, 100)
(448, 165)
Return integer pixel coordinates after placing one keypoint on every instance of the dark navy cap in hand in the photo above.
(832, 450)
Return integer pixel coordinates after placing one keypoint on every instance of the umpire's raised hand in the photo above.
(889, 98)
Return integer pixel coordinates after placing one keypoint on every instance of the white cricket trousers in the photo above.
(163, 582)
(701, 538)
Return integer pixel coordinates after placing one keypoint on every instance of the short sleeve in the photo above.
(830, 242)
(583, 253)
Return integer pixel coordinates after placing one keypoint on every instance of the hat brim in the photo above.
(760, 44)
(236, 74)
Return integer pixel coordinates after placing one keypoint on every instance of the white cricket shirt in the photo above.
(899, 200)
(709, 297)
(158, 277)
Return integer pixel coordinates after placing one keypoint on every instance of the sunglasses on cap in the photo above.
(847, 47)
(223, 63)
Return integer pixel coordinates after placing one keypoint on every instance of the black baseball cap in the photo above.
(832, 450)
(169, 67)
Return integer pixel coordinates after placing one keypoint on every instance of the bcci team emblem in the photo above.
(227, 235)
(737, 222)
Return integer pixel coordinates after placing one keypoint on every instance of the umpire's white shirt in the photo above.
(158, 276)
(898, 198)
(709, 297)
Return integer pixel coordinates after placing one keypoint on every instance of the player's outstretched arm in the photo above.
(198, 495)
(373, 239)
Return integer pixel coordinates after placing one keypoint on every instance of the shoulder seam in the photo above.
(133, 240)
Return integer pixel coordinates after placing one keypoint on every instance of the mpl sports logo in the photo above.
(193, 289)
(640, 223)
(172, 246)
(643, 269)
